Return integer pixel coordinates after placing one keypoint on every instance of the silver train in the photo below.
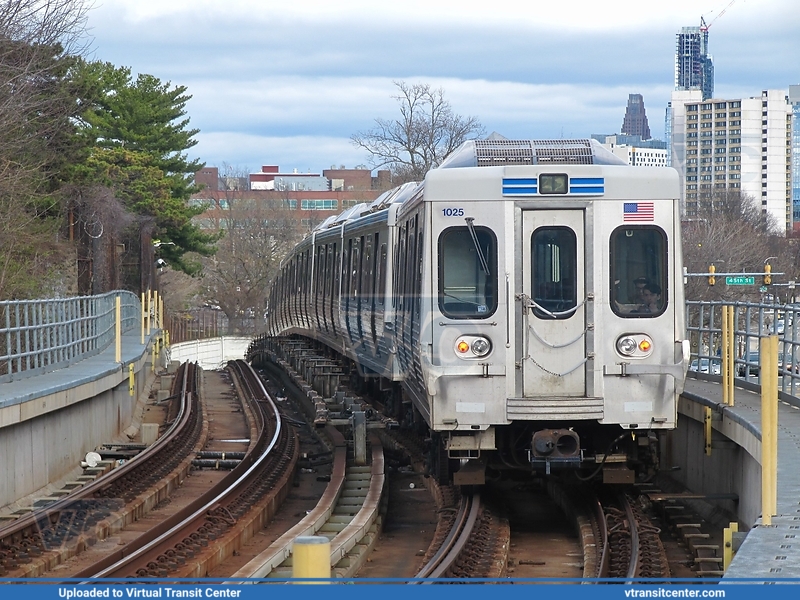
(523, 306)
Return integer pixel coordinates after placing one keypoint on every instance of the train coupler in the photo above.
(560, 448)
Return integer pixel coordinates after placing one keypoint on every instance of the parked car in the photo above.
(751, 366)
(705, 365)
(786, 366)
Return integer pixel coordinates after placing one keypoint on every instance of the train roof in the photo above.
(493, 151)
(396, 195)
(497, 151)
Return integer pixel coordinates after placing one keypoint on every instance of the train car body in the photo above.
(499, 299)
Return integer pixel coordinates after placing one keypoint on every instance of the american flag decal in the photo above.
(638, 211)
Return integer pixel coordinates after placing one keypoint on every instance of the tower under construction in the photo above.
(694, 68)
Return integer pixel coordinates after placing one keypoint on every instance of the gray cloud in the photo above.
(290, 86)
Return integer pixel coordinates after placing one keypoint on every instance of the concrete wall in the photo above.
(733, 465)
(44, 438)
(211, 353)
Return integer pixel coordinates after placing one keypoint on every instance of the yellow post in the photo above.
(166, 338)
(768, 358)
(156, 322)
(707, 429)
(118, 331)
(131, 380)
(731, 352)
(161, 312)
(143, 313)
(727, 538)
(726, 393)
(311, 558)
(149, 311)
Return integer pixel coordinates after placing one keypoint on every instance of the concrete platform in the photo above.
(49, 421)
(769, 551)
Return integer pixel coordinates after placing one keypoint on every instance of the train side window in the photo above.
(467, 273)
(381, 275)
(554, 272)
(638, 273)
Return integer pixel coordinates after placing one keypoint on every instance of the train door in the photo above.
(553, 318)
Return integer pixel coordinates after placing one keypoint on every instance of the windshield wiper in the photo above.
(484, 264)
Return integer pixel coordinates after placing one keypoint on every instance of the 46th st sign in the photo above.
(740, 280)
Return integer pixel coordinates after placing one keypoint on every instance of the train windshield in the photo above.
(638, 271)
(467, 272)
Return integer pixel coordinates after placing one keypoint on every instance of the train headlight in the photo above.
(473, 346)
(634, 345)
(626, 346)
(481, 347)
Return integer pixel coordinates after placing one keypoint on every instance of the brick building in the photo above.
(307, 198)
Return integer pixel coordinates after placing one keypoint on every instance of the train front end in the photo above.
(554, 334)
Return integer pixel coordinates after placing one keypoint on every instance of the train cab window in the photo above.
(467, 272)
(554, 264)
(638, 271)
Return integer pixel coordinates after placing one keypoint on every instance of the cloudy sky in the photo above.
(288, 82)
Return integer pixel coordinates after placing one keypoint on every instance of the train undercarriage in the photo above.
(577, 450)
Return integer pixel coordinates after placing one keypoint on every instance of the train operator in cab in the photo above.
(651, 299)
(639, 283)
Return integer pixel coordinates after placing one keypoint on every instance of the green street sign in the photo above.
(740, 280)
(762, 289)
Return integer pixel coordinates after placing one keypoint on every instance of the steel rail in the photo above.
(178, 527)
(602, 530)
(456, 539)
(633, 568)
(27, 524)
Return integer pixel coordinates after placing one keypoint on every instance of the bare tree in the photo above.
(425, 134)
(259, 232)
(733, 234)
(37, 39)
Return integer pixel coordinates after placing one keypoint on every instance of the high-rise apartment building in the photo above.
(794, 101)
(635, 121)
(694, 67)
(742, 145)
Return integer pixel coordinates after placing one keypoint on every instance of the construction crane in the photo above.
(705, 27)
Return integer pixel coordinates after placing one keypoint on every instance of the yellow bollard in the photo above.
(142, 319)
(731, 352)
(131, 380)
(768, 373)
(311, 558)
(118, 330)
(727, 551)
(726, 393)
(149, 311)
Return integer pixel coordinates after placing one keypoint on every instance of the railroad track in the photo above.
(197, 538)
(31, 545)
(619, 540)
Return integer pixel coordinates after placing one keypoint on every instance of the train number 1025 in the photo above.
(453, 212)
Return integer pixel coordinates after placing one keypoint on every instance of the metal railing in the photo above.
(751, 323)
(37, 336)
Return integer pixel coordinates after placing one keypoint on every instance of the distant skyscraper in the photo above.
(694, 68)
(635, 122)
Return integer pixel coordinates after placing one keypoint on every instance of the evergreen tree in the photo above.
(139, 133)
